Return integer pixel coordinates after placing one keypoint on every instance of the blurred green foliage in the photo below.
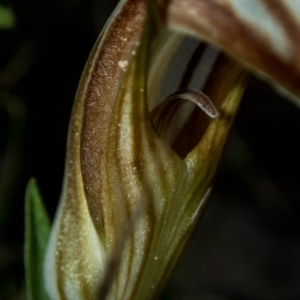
(37, 231)
(7, 17)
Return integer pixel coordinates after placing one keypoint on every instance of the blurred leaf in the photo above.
(37, 229)
(7, 17)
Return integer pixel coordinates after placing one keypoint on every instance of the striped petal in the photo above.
(77, 252)
(263, 34)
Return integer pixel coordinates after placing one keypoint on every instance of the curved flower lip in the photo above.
(264, 35)
(118, 167)
(196, 96)
(164, 115)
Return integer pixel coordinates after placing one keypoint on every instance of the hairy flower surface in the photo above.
(139, 169)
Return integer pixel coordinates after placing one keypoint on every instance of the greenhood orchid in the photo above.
(139, 168)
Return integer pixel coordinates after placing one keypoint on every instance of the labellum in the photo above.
(138, 170)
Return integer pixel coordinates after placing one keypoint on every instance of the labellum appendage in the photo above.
(164, 114)
(200, 99)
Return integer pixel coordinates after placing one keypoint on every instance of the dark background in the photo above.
(247, 245)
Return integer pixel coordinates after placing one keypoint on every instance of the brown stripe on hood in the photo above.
(219, 22)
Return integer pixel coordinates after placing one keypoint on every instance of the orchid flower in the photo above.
(150, 121)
